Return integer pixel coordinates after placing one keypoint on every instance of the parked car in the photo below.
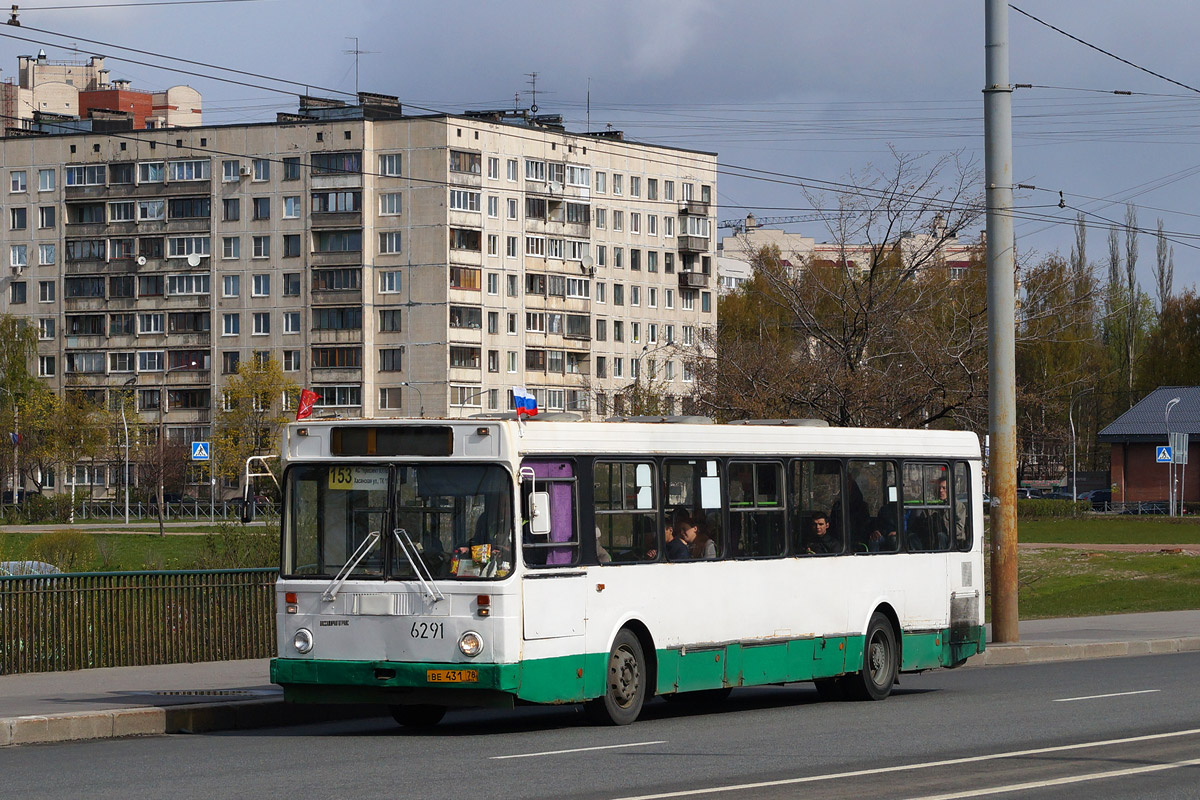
(175, 497)
(1058, 496)
(1024, 493)
(28, 568)
(1100, 499)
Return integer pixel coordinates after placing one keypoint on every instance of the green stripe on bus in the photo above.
(574, 678)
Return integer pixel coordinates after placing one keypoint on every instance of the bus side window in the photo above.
(756, 509)
(816, 496)
(561, 546)
(962, 507)
(927, 506)
(872, 506)
(692, 488)
(627, 510)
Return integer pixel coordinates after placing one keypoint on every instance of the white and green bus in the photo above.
(429, 564)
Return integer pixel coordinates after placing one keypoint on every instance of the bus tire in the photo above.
(879, 666)
(420, 717)
(624, 683)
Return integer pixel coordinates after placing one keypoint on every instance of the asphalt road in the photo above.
(1120, 728)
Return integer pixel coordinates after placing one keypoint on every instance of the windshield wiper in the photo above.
(413, 555)
(368, 544)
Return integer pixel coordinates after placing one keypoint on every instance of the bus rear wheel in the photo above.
(879, 666)
(421, 717)
(624, 683)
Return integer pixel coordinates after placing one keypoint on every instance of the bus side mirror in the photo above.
(247, 505)
(539, 513)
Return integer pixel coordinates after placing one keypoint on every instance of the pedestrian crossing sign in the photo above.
(1163, 456)
(200, 451)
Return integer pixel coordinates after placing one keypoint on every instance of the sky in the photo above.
(810, 89)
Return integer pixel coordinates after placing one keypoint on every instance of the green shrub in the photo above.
(237, 546)
(40, 508)
(1031, 509)
(68, 549)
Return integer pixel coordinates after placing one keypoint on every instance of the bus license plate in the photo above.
(452, 676)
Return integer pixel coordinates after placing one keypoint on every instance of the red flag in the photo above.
(308, 399)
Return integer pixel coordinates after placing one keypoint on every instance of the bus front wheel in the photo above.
(418, 716)
(879, 666)
(624, 683)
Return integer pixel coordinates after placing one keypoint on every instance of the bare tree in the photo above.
(1131, 294)
(880, 333)
(1079, 261)
(1164, 267)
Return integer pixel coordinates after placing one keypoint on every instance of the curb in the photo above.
(263, 713)
(157, 720)
(999, 655)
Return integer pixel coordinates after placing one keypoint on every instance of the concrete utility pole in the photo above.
(1001, 295)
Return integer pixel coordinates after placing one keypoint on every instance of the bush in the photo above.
(237, 546)
(68, 549)
(39, 508)
(1052, 508)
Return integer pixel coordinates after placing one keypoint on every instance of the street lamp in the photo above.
(1171, 465)
(416, 389)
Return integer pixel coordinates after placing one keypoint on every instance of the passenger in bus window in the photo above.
(675, 546)
(602, 555)
(883, 537)
(821, 540)
(699, 542)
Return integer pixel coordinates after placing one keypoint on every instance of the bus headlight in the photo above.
(303, 640)
(471, 644)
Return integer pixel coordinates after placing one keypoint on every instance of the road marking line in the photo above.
(906, 767)
(577, 750)
(1091, 776)
(1101, 696)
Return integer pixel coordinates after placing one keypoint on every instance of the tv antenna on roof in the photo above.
(533, 106)
(356, 53)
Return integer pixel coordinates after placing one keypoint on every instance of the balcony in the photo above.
(693, 208)
(693, 280)
(85, 303)
(693, 244)
(336, 180)
(335, 297)
(335, 374)
(336, 219)
(342, 336)
(335, 258)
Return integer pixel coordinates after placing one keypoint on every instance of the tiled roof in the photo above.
(1145, 421)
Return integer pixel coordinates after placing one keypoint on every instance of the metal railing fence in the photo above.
(51, 623)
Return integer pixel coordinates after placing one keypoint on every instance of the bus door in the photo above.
(964, 565)
(554, 586)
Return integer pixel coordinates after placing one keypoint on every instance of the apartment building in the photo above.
(395, 265)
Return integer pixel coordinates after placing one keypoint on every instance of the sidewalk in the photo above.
(234, 695)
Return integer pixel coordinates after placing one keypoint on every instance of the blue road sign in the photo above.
(1163, 455)
(200, 451)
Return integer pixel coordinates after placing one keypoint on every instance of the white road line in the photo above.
(1101, 696)
(577, 750)
(1091, 776)
(922, 765)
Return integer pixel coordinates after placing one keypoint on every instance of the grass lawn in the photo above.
(119, 552)
(1075, 583)
(1111, 530)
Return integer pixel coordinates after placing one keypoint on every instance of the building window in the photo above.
(291, 245)
(46, 292)
(230, 170)
(391, 359)
(338, 241)
(231, 325)
(193, 170)
(151, 172)
(231, 247)
(262, 323)
(17, 292)
(46, 366)
(19, 255)
(337, 357)
(262, 246)
(389, 242)
(464, 278)
(230, 361)
(389, 165)
(390, 320)
(46, 180)
(463, 200)
(291, 168)
(231, 285)
(390, 204)
(261, 167)
(389, 281)
(262, 285)
(291, 284)
(465, 239)
(291, 322)
(291, 207)
(91, 175)
(291, 360)
(462, 161)
(18, 218)
(47, 217)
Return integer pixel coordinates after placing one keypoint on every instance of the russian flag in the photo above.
(525, 402)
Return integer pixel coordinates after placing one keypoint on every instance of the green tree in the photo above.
(18, 346)
(253, 415)
(1172, 351)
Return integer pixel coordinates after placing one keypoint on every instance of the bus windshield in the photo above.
(458, 518)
